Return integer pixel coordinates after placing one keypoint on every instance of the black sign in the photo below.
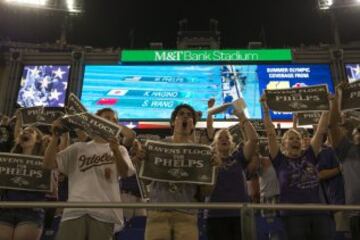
(74, 105)
(30, 115)
(351, 96)
(144, 137)
(50, 114)
(308, 118)
(178, 163)
(305, 99)
(237, 133)
(143, 187)
(24, 172)
(92, 125)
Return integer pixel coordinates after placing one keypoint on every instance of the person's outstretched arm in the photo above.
(210, 120)
(250, 133)
(122, 160)
(335, 117)
(270, 129)
(317, 139)
(52, 148)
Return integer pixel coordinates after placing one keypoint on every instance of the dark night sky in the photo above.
(107, 23)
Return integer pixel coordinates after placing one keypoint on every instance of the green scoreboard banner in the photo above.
(229, 55)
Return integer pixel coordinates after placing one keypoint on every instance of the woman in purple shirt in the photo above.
(298, 178)
(230, 182)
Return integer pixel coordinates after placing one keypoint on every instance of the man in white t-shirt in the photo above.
(93, 169)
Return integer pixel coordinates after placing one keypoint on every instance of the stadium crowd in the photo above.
(299, 166)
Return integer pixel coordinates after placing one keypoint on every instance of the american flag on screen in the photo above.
(353, 72)
(43, 86)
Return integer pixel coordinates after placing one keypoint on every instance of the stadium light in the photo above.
(325, 4)
(29, 2)
(69, 6)
(72, 7)
(336, 4)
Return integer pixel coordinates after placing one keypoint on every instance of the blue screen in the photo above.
(148, 92)
(43, 85)
(293, 76)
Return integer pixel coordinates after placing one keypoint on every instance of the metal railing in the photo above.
(247, 210)
(306, 207)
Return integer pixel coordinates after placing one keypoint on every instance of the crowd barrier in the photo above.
(247, 209)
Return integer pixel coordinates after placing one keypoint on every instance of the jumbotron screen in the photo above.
(352, 72)
(43, 85)
(151, 92)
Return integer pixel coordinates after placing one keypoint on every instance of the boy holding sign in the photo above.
(181, 223)
(93, 169)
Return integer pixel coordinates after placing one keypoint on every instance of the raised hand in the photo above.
(113, 144)
(211, 102)
(57, 128)
(137, 152)
(331, 97)
(263, 101)
(340, 87)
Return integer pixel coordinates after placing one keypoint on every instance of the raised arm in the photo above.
(317, 139)
(295, 120)
(210, 121)
(64, 141)
(18, 124)
(270, 129)
(335, 117)
(251, 135)
(52, 148)
(129, 136)
(137, 153)
(122, 164)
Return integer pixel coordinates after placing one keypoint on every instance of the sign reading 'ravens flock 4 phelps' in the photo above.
(178, 163)
(92, 125)
(308, 118)
(305, 99)
(74, 105)
(351, 97)
(23, 172)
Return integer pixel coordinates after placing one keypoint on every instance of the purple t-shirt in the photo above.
(230, 184)
(333, 187)
(298, 179)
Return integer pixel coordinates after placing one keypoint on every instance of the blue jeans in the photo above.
(17, 216)
(268, 228)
